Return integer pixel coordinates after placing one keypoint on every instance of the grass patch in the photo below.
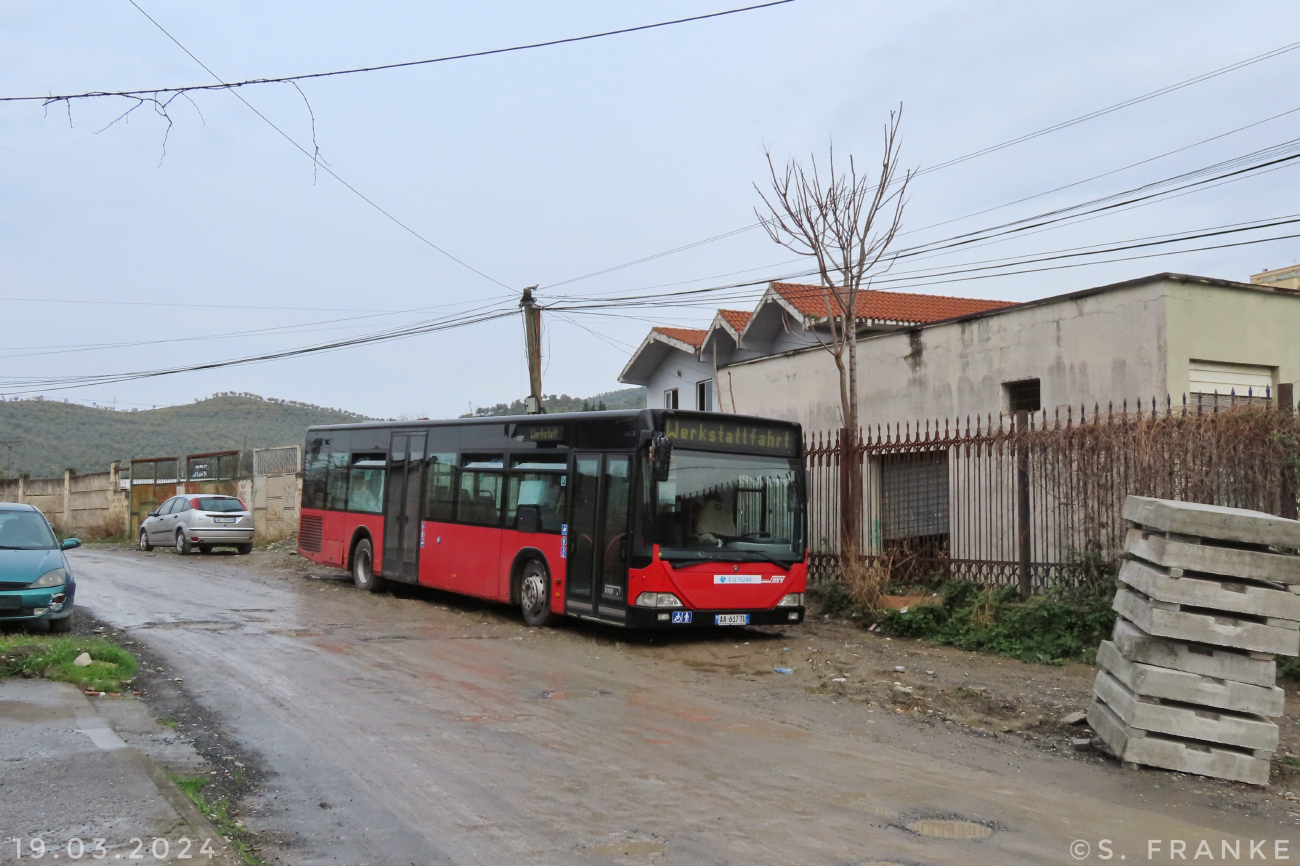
(110, 669)
(1289, 761)
(1049, 629)
(219, 814)
(1289, 669)
(167, 722)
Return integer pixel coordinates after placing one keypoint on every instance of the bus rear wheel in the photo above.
(535, 594)
(363, 568)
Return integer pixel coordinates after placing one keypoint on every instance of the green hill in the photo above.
(627, 398)
(42, 437)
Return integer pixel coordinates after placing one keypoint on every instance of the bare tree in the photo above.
(847, 224)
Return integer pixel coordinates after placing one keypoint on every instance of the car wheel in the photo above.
(363, 568)
(205, 548)
(535, 594)
(243, 549)
(144, 541)
(183, 544)
(61, 626)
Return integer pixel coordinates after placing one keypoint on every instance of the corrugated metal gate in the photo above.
(153, 480)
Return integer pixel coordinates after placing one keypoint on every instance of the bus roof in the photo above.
(650, 419)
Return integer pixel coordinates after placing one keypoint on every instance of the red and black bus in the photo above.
(639, 518)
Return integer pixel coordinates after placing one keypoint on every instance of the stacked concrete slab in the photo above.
(1208, 598)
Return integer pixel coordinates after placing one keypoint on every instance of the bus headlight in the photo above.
(794, 599)
(658, 599)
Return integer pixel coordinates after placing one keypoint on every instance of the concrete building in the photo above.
(681, 367)
(1166, 334)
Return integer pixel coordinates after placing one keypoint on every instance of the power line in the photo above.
(157, 91)
(18, 385)
(314, 157)
(1074, 121)
(987, 150)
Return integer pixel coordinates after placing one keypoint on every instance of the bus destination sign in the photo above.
(731, 436)
(540, 432)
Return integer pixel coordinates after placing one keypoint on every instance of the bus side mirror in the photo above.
(661, 456)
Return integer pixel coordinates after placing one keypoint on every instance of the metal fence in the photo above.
(1036, 499)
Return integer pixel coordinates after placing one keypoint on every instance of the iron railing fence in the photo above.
(1036, 499)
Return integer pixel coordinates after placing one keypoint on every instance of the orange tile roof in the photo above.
(886, 306)
(737, 319)
(691, 336)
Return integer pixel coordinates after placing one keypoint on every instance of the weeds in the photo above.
(1050, 629)
(219, 814)
(110, 668)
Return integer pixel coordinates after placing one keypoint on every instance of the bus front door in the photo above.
(596, 577)
(402, 507)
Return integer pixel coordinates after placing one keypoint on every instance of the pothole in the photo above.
(205, 624)
(569, 694)
(948, 829)
(626, 849)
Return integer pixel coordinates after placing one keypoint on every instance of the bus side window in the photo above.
(544, 491)
(366, 483)
(480, 498)
(337, 483)
(315, 468)
(440, 491)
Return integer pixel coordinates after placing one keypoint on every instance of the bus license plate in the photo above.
(223, 520)
(731, 619)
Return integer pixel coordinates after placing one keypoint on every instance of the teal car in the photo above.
(35, 578)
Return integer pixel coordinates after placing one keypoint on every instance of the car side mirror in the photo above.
(661, 456)
(69, 543)
(153, 514)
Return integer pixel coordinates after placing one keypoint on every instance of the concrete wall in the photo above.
(1231, 326)
(88, 506)
(682, 371)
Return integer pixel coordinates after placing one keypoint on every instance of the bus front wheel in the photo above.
(535, 594)
(363, 568)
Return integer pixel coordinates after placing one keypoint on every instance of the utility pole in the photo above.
(533, 340)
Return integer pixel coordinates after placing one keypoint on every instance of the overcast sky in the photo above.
(541, 166)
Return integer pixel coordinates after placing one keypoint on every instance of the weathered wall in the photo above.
(275, 501)
(1094, 348)
(88, 506)
(1231, 326)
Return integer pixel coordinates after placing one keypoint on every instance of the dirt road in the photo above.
(430, 729)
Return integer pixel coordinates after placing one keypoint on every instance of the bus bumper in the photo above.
(650, 617)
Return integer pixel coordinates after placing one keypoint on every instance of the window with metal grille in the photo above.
(1023, 396)
(914, 495)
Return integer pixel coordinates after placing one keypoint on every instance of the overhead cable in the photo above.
(285, 79)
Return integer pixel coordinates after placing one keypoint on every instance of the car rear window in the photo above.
(215, 503)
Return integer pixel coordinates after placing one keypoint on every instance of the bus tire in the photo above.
(535, 594)
(363, 567)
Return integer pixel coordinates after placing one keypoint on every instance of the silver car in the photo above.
(198, 520)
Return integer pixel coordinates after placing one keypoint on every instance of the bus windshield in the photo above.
(735, 507)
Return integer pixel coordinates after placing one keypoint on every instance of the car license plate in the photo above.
(731, 619)
(224, 519)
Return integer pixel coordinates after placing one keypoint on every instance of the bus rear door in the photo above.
(596, 576)
(402, 507)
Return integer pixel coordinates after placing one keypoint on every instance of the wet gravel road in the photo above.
(426, 729)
